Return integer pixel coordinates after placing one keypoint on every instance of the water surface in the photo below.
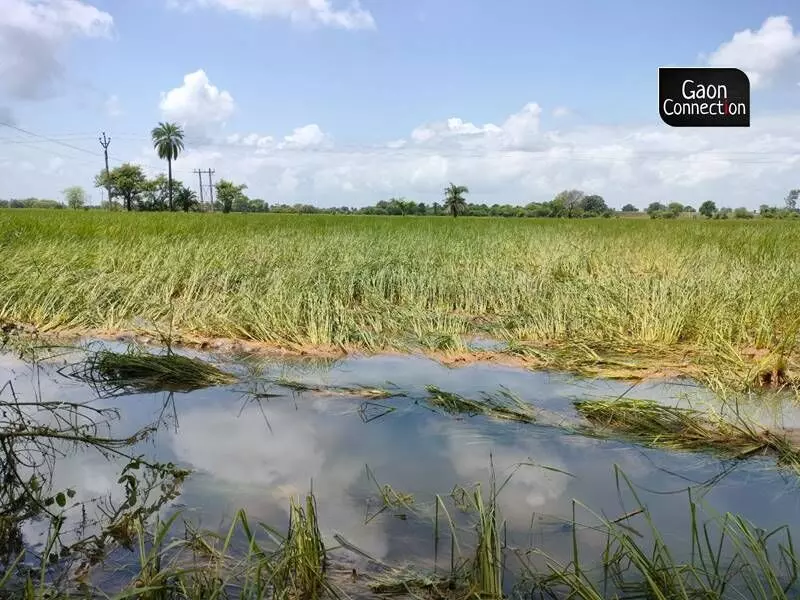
(254, 444)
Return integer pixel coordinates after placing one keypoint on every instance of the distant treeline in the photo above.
(567, 204)
(30, 203)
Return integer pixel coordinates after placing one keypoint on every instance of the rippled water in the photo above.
(254, 444)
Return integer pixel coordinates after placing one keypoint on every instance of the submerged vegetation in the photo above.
(502, 405)
(628, 292)
(679, 428)
(138, 371)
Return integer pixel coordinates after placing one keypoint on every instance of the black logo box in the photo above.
(703, 97)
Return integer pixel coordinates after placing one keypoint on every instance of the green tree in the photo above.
(742, 213)
(594, 204)
(769, 212)
(629, 208)
(155, 195)
(654, 208)
(229, 194)
(126, 181)
(168, 143)
(567, 204)
(241, 203)
(689, 209)
(708, 208)
(675, 208)
(791, 200)
(454, 198)
(186, 199)
(75, 196)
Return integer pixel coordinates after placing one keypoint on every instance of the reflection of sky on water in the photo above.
(255, 455)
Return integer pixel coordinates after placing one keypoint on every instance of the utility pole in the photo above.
(211, 187)
(200, 177)
(200, 173)
(105, 142)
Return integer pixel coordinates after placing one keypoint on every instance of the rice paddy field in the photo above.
(616, 296)
(291, 407)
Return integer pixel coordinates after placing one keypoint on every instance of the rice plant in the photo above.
(299, 570)
(728, 557)
(628, 292)
(136, 371)
(502, 405)
(655, 424)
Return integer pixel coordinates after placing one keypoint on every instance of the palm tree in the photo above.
(168, 143)
(186, 199)
(454, 198)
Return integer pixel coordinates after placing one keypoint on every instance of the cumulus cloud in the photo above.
(304, 137)
(251, 139)
(197, 103)
(33, 34)
(318, 12)
(561, 111)
(762, 54)
(518, 130)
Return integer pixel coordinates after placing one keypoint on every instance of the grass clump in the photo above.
(676, 428)
(135, 371)
(503, 405)
(299, 573)
(729, 558)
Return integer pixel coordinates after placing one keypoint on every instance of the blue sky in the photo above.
(330, 102)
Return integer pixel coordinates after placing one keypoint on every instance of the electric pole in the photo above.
(200, 174)
(211, 187)
(200, 178)
(105, 142)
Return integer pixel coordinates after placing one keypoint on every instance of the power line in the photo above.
(44, 137)
(372, 147)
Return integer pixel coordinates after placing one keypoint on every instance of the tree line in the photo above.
(137, 192)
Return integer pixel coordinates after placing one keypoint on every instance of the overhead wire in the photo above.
(563, 153)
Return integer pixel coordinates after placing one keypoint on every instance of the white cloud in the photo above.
(197, 103)
(561, 111)
(522, 127)
(318, 12)
(762, 54)
(33, 34)
(517, 131)
(452, 127)
(304, 137)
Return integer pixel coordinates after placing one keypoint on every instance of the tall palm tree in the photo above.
(168, 143)
(454, 198)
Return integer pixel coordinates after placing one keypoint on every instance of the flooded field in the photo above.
(392, 469)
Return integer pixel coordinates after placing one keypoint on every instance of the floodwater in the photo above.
(254, 444)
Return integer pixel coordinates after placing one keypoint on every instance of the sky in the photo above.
(345, 102)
